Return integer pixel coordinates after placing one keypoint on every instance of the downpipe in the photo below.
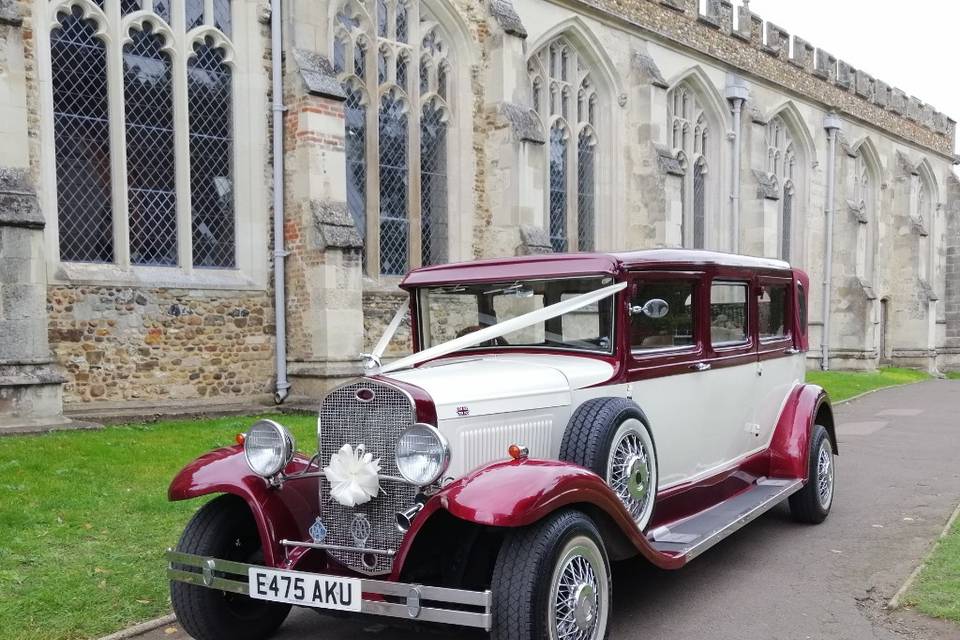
(832, 124)
(279, 250)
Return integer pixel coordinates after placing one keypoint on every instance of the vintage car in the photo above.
(557, 413)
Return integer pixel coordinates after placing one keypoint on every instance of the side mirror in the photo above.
(655, 308)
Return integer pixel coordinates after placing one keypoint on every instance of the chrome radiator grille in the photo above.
(376, 424)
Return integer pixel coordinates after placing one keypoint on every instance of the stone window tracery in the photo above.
(122, 195)
(864, 198)
(691, 139)
(397, 180)
(926, 222)
(570, 110)
(781, 165)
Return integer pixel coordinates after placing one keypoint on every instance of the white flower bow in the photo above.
(353, 476)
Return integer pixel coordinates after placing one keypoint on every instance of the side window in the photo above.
(662, 315)
(728, 313)
(773, 312)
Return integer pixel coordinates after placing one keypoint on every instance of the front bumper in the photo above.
(449, 606)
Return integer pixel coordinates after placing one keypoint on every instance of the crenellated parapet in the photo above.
(742, 39)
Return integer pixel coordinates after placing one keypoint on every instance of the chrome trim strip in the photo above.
(337, 547)
(412, 594)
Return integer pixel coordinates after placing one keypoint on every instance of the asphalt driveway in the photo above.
(898, 482)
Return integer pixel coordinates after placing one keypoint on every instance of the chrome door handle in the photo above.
(700, 366)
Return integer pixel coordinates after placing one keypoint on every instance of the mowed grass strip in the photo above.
(936, 592)
(84, 522)
(842, 385)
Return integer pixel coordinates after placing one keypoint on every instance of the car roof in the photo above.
(560, 265)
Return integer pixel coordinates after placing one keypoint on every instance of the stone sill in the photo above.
(107, 275)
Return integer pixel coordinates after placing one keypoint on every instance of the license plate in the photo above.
(305, 589)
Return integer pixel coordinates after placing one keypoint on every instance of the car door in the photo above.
(733, 368)
(780, 363)
(666, 352)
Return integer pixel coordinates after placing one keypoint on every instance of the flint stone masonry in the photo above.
(121, 344)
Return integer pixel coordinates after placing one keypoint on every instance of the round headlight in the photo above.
(422, 454)
(268, 448)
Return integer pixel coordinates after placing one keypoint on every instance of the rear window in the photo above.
(773, 312)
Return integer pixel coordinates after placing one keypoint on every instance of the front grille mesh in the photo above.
(377, 425)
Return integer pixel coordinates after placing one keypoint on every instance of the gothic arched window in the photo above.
(410, 78)
(560, 71)
(781, 164)
(864, 186)
(692, 141)
(121, 197)
(82, 139)
(927, 224)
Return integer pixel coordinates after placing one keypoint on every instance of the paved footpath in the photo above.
(898, 480)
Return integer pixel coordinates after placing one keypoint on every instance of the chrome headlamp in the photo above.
(422, 454)
(268, 448)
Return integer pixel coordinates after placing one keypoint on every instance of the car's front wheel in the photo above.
(552, 582)
(223, 528)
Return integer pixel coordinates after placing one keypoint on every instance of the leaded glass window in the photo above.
(433, 184)
(394, 186)
(691, 137)
(586, 191)
(409, 153)
(786, 221)
(209, 92)
(564, 95)
(123, 195)
(699, 202)
(355, 115)
(82, 138)
(151, 188)
(558, 187)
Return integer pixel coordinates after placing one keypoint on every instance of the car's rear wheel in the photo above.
(812, 503)
(223, 528)
(609, 436)
(552, 582)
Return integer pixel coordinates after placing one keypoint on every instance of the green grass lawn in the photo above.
(84, 522)
(953, 375)
(846, 384)
(936, 591)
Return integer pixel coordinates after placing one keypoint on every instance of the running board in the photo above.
(691, 537)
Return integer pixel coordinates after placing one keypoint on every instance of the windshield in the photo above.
(453, 311)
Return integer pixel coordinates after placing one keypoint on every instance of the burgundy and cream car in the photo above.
(557, 413)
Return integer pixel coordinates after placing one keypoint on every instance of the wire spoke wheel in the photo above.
(579, 593)
(632, 470)
(825, 475)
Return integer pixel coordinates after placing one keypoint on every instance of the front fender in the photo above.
(519, 493)
(789, 448)
(280, 513)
